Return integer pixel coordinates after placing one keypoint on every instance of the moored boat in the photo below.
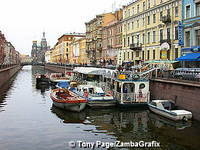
(65, 99)
(166, 108)
(96, 96)
(42, 79)
(58, 77)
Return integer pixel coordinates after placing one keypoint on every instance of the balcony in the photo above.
(166, 19)
(136, 46)
(165, 41)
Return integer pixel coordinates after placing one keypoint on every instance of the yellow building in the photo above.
(61, 52)
(150, 31)
(78, 51)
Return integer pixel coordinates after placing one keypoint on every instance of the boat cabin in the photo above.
(129, 88)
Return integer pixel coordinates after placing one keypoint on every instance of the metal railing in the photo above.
(180, 75)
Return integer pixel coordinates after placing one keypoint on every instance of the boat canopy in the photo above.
(92, 70)
(63, 84)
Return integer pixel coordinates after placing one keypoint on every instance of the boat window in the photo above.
(128, 87)
(153, 103)
(142, 86)
(91, 90)
(118, 87)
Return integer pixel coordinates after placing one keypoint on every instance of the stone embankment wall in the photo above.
(56, 68)
(7, 73)
(185, 94)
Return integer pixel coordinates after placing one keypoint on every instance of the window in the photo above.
(187, 15)
(161, 15)
(137, 54)
(197, 9)
(124, 55)
(143, 6)
(128, 55)
(124, 42)
(168, 33)
(128, 26)
(154, 54)
(168, 54)
(148, 20)
(176, 33)
(138, 39)
(197, 37)
(137, 23)
(142, 55)
(154, 18)
(154, 36)
(168, 11)
(148, 55)
(132, 25)
(176, 11)
(132, 39)
(149, 4)
(138, 8)
(161, 34)
(148, 37)
(132, 55)
(187, 38)
(133, 11)
(143, 38)
(128, 42)
(176, 52)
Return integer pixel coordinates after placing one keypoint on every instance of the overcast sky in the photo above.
(23, 21)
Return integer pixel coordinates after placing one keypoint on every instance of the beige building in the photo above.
(94, 36)
(150, 31)
(61, 52)
(78, 51)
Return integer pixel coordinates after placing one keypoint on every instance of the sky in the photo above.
(22, 21)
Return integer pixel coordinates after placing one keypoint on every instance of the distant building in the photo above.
(94, 36)
(8, 54)
(25, 58)
(2, 47)
(62, 51)
(48, 56)
(39, 49)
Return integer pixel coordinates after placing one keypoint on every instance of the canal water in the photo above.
(28, 121)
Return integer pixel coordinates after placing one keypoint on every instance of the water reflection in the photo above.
(31, 122)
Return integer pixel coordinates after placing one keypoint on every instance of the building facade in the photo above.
(191, 25)
(8, 54)
(112, 39)
(39, 49)
(150, 31)
(2, 48)
(62, 52)
(94, 36)
(78, 51)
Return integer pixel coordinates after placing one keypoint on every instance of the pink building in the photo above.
(112, 39)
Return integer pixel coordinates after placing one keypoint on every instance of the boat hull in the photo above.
(169, 115)
(145, 105)
(42, 81)
(101, 103)
(76, 107)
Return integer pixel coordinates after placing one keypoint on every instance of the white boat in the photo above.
(68, 100)
(96, 96)
(165, 108)
(58, 77)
